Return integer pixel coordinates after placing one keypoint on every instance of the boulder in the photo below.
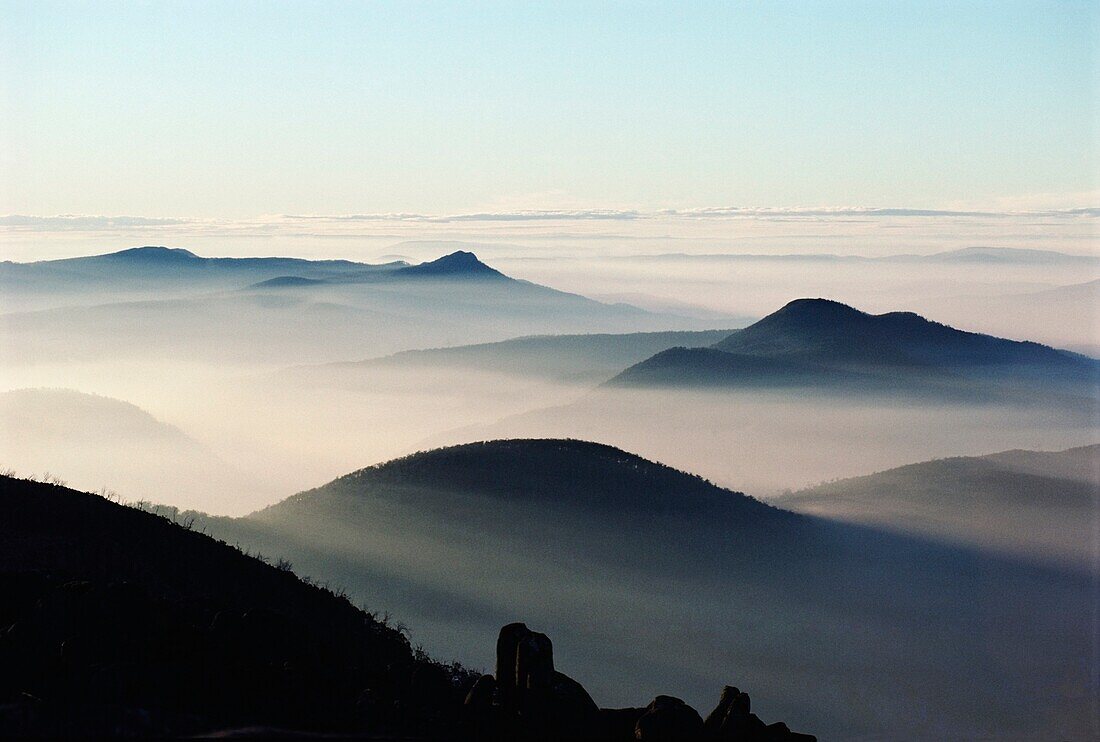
(530, 701)
(617, 725)
(507, 643)
(732, 721)
(534, 662)
(669, 719)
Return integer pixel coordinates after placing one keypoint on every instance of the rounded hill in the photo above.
(580, 474)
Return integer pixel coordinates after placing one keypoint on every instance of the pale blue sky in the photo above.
(239, 108)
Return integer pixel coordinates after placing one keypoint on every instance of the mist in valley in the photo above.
(546, 371)
(225, 399)
(242, 369)
(654, 579)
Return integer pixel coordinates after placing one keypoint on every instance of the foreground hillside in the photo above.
(646, 572)
(1042, 504)
(121, 623)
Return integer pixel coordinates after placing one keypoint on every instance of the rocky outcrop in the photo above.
(668, 719)
(732, 720)
(528, 700)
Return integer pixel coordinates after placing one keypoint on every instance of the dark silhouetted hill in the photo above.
(829, 332)
(820, 343)
(459, 263)
(118, 622)
(647, 572)
(540, 473)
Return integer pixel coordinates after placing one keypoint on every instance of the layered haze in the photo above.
(727, 346)
(295, 370)
(225, 386)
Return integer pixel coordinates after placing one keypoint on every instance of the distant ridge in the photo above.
(456, 265)
(285, 282)
(1040, 503)
(152, 252)
(585, 358)
(1008, 255)
(307, 311)
(820, 342)
(162, 254)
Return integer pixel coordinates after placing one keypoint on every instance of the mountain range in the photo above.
(149, 303)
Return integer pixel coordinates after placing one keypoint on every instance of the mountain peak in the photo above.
(458, 263)
(818, 308)
(459, 257)
(817, 326)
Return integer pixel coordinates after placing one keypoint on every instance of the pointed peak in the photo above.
(458, 259)
(458, 263)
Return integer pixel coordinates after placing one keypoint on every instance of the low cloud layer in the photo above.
(82, 222)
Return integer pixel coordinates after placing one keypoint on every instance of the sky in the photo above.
(231, 110)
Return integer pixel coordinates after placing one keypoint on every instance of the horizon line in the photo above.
(95, 222)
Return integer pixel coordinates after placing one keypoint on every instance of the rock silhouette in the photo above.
(120, 622)
(668, 719)
(530, 701)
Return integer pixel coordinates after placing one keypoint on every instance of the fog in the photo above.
(763, 443)
(282, 432)
(214, 361)
(221, 395)
(848, 631)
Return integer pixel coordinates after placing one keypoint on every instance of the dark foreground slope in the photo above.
(117, 621)
(653, 579)
(822, 344)
(1042, 504)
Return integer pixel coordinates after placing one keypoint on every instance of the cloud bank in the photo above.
(93, 223)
